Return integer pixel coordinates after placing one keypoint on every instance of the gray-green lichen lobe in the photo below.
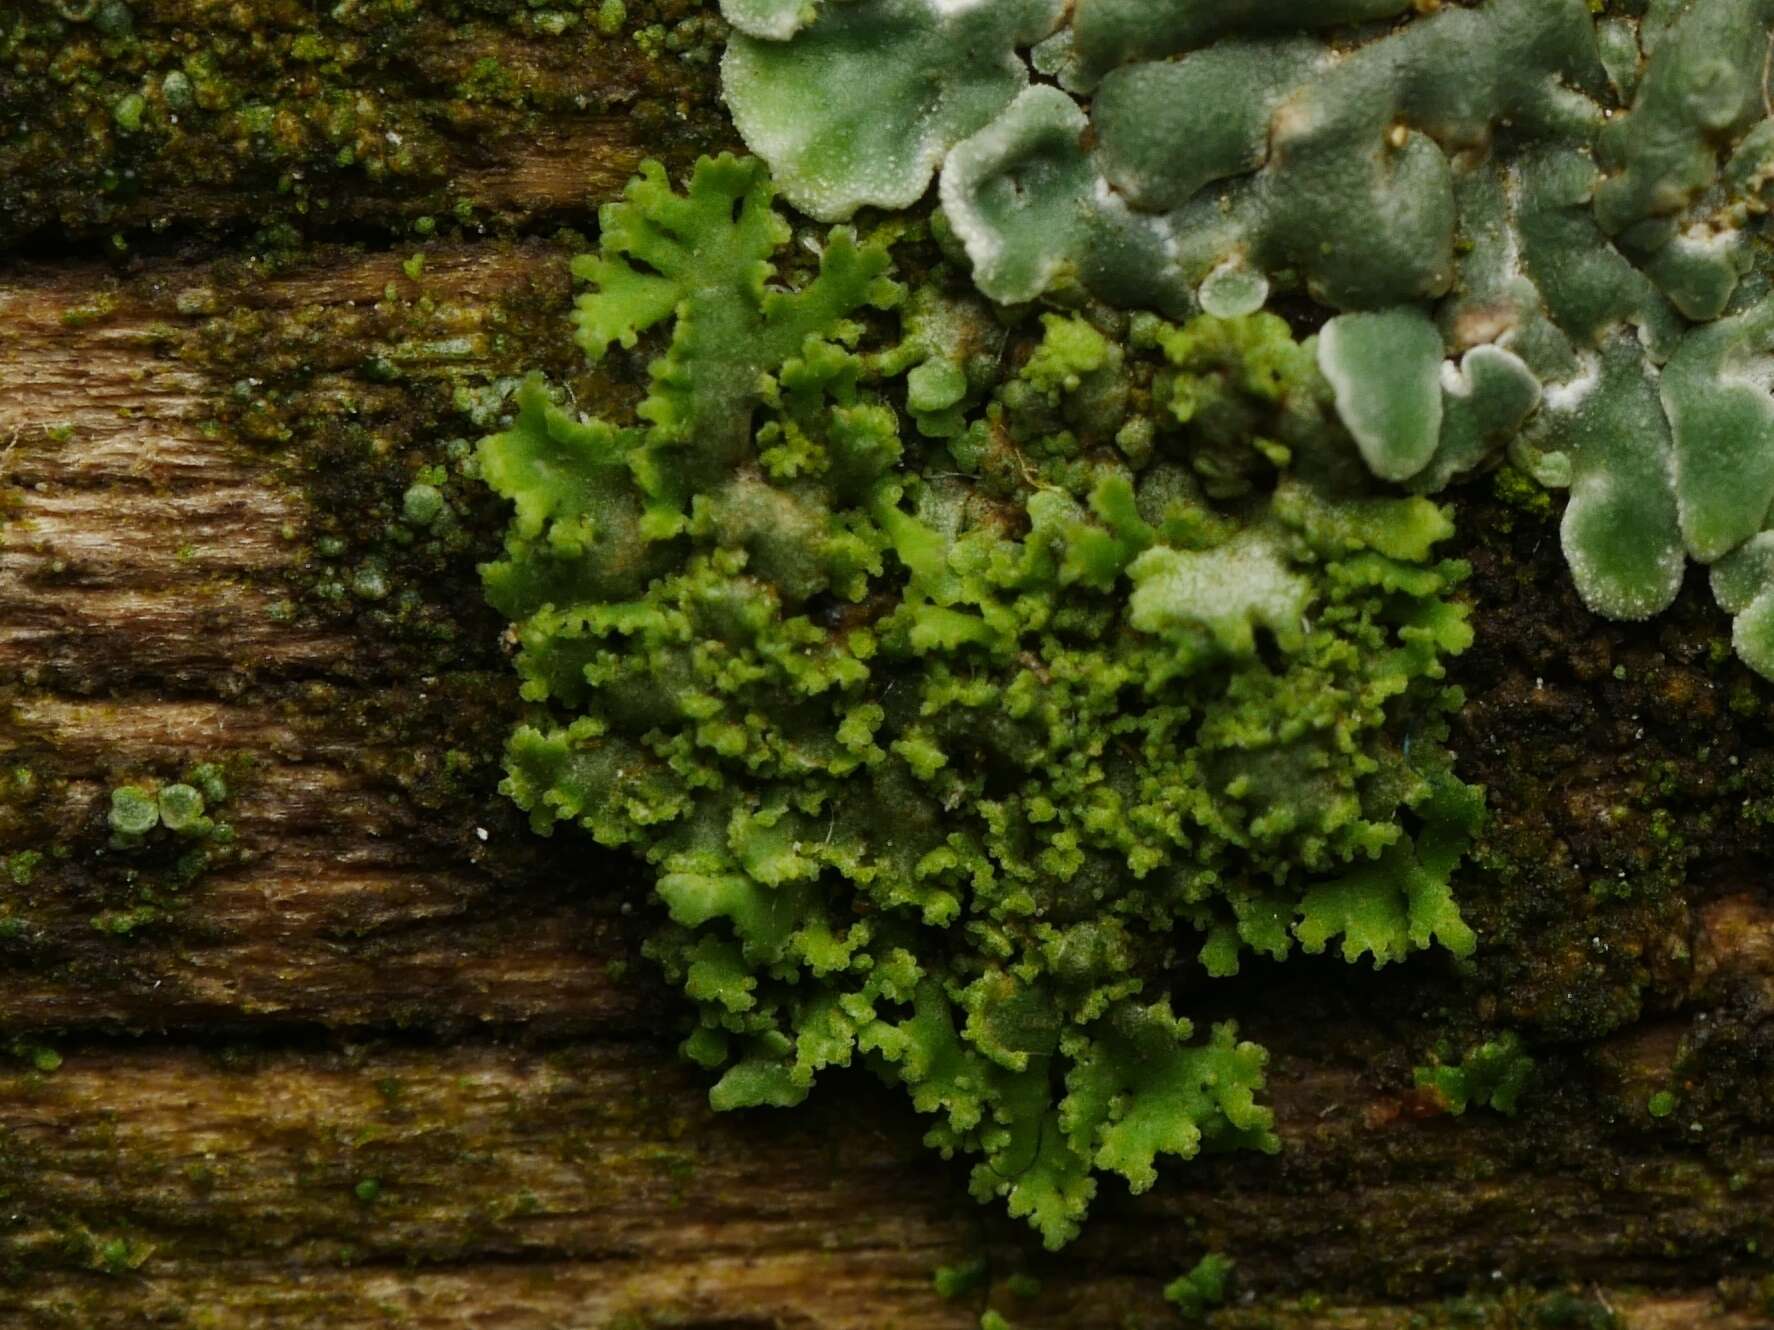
(1541, 230)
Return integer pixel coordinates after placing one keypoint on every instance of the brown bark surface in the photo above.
(399, 1062)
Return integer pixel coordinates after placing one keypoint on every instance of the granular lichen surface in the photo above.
(961, 673)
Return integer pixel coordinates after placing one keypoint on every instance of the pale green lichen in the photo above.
(1012, 192)
(181, 810)
(1535, 222)
(864, 105)
(1386, 370)
(958, 672)
(134, 811)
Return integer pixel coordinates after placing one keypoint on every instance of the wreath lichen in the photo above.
(963, 675)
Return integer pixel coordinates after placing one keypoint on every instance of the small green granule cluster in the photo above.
(169, 835)
(179, 806)
(966, 678)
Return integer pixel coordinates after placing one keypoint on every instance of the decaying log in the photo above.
(394, 1060)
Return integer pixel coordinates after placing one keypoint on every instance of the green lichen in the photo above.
(134, 811)
(422, 504)
(864, 105)
(949, 741)
(39, 1057)
(1493, 1075)
(181, 810)
(1536, 224)
(178, 806)
(165, 837)
(1201, 1289)
(956, 1281)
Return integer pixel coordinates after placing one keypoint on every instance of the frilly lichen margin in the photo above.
(950, 666)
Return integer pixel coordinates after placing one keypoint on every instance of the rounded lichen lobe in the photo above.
(134, 811)
(1538, 226)
(181, 808)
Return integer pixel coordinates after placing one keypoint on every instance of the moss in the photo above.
(278, 108)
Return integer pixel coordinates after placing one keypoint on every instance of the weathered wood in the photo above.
(600, 1166)
(137, 582)
(379, 992)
